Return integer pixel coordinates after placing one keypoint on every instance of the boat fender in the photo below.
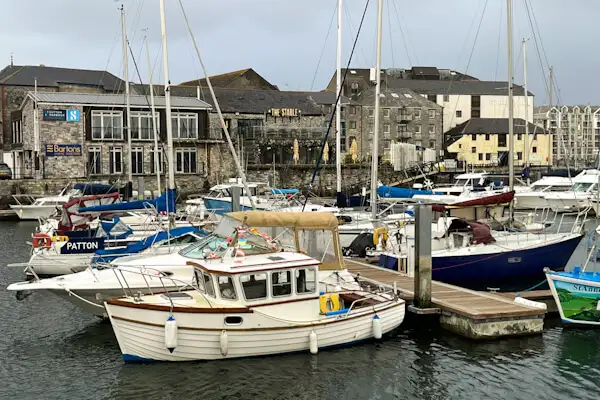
(41, 240)
(383, 232)
(377, 333)
(329, 302)
(530, 303)
(224, 342)
(60, 238)
(314, 346)
(171, 334)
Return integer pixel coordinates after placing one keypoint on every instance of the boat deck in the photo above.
(460, 307)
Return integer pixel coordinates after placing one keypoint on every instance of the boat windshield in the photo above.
(242, 242)
(461, 182)
(582, 186)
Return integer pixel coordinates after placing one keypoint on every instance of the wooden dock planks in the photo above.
(464, 302)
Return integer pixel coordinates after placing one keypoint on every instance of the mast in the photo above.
(171, 167)
(375, 144)
(153, 114)
(127, 104)
(526, 142)
(338, 107)
(511, 136)
(550, 88)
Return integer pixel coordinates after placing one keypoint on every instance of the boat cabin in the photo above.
(586, 181)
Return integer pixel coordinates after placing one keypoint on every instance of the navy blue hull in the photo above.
(513, 270)
(221, 206)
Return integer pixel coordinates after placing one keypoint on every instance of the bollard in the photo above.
(236, 191)
(423, 216)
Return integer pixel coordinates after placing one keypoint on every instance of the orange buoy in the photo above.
(41, 240)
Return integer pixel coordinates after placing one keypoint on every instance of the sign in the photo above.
(284, 112)
(60, 150)
(54, 115)
(450, 164)
(82, 245)
(61, 115)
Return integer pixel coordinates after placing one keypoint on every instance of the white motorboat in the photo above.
(534, 196)
(255, 297)
(585, 188)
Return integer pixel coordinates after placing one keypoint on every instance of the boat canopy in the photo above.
(296, 220)
(401, 193)
(284, 191)
(481, 232)
(163, 203)
(94, 188)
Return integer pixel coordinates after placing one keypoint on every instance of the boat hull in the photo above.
(141, 333)
(507, 271)
(530, 201)
(577, 297)
(33, 213)
(568, 204)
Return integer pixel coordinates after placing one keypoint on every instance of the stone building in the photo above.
(241, 79)
(405, 117)
(82, 135)
(17, 80)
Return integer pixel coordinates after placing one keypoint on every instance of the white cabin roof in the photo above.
(587, 176)
(254, 263)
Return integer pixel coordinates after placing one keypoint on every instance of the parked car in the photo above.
(5, 171)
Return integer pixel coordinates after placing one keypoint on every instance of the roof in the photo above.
(545, 109)
(14, 75)
(455, 87)
(425, 71)
(224, 80)
(492, 125)
(397, 97)
(253, 101)
(111, 100)
(298, 220)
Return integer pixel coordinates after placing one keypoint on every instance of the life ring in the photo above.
(329, 302)
(41, 240)
(380, 231)
(60, 238)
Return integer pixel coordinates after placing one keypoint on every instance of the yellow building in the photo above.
(484, 141)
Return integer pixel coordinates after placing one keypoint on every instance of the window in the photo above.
(519, 155)
(460, 145)
(403, 114)
(386, 144)
(487, 136)
(371, 112)
(488, 156)
(475, 101)
(305, 281)
(431, 129)
(161, 162)
(502, 140)
(354, 88)
(519, 137)
(458, 113)
(141, 125)
(352, 110)
(386, 112)
(185, 161)
(352, 124)
(473, 150)
(480, 156)
(205, 283)
(17, 133)
(94, 166)
(402, 128)
(418, 129)
(432, 144)
(407, 95)
(386, 128)
(431, 114)
(371, 128)
(475, 113)
(107, 125)
(473, 136)
(446, 98)
(137, 160)
(254, 286)
(115, 160)
(281, 283)
(226, 288)
(534, 149)
(417, 114)
(185, 125)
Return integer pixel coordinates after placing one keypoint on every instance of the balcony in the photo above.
(404, 118)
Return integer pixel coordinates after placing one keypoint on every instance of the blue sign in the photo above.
(82, 245)
(54, 115)
(61, 150)
(73, 116)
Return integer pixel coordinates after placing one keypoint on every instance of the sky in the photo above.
(293, 43)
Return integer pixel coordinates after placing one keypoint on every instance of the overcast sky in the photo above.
(283, 39)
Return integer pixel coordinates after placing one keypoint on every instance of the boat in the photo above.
(44, 207)
(584, 189)
(533, 198)
(255, 296)
(577, 295)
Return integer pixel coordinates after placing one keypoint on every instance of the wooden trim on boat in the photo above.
(212, 271)
(191, 310)
(324, 322)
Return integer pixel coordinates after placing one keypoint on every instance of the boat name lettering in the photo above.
(79, 246)
(82, 246)
(584, 288)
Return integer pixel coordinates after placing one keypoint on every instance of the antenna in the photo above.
(12, 59)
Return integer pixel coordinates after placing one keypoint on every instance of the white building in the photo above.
(463, 100)
(576, 133)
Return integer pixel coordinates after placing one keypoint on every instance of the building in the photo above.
(575, 131)
(405, 117)
(84, 135)
(17, 80)
(484, 141)
(242, 79)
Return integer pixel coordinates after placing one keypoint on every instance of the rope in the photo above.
(533, 287)
(312, 84)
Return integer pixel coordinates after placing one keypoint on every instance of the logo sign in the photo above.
(82, 245)
(73, 116)
(61, 150)
(54, 115)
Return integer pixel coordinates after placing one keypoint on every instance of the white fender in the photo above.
(530, 303)
(314, 346)
(171, 334)
(377, 334)
(224, 342)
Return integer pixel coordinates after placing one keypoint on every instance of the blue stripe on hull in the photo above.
(221, 206)
(518, 268)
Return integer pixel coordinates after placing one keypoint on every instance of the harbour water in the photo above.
(52, 350)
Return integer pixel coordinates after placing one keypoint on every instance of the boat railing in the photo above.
(25, 199)
(577, 226)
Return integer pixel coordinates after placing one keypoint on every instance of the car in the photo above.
(5, 171)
